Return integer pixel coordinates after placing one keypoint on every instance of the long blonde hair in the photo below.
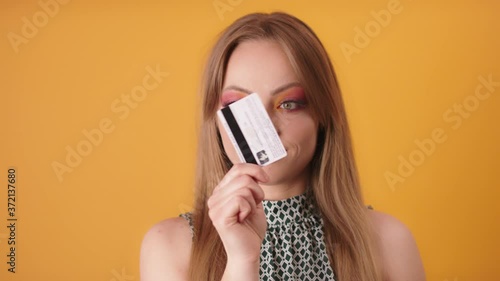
(334, 178)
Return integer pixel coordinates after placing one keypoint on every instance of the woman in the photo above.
(300, 218)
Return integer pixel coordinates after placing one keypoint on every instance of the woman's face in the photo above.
(262, 67)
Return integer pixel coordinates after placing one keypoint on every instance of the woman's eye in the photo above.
(291, 105)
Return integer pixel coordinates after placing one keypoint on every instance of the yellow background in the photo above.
(65, 78)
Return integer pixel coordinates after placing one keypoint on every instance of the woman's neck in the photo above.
(286, 189)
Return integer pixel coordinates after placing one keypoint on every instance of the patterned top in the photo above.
(294, 246)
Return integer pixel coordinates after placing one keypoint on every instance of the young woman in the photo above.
(300, 218)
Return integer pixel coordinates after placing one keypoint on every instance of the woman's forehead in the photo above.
(260, 64)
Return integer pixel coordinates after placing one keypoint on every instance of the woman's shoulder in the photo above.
(386, 223)
(165, 250)
(398, 250)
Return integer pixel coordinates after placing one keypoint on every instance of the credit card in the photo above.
(251, 131)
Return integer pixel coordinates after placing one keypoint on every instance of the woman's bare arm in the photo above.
(165, 251)
(398, 249)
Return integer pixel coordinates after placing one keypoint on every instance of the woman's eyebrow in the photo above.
(236, 88)
(274, 92)
(285, 87)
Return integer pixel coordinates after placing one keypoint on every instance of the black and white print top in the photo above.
(294, 246)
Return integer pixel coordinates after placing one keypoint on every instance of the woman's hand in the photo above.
(236, 211)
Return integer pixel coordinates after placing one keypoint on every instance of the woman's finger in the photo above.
(246, 194)
(241, 182)
(239, 169)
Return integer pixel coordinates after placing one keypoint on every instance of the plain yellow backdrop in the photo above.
(116, 83)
